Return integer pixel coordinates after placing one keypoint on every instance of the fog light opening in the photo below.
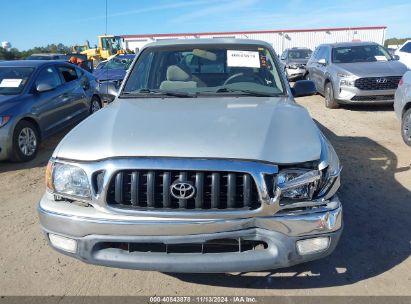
(63, 243)
(314, 245)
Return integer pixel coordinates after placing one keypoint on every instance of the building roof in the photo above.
(255, 32)
(348, 44)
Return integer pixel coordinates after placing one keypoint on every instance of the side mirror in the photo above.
(108, 91)
(322, 61)
(396, 57)
(44, 87)
(303, 88)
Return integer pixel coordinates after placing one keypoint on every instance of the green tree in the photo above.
(395, 41)
(14, 53)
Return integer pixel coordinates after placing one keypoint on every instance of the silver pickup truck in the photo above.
(205, 163)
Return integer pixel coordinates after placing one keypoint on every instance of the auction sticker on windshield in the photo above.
(10, 83)
(380, 58)
(247, 59)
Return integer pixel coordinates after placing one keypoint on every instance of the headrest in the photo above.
(178, 73)
(205, 54)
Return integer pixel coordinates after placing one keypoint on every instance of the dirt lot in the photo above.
(373, 257)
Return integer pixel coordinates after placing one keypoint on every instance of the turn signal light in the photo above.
(49, 179)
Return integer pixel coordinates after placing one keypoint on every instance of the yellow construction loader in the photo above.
(109, 46)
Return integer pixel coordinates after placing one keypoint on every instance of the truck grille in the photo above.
(150, 189)
(378, 83)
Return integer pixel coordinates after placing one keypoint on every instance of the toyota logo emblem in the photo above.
(382, 80)
(182, 190)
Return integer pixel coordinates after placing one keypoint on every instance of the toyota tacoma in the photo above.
(205, 163)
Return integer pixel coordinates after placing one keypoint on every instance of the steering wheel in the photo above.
(229, 79)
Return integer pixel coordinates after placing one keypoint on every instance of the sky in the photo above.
(29, 23)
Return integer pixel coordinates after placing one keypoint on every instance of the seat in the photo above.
(178, 77)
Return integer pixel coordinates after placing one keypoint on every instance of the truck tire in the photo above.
(26, 142)
(330, 102)
(406, 127)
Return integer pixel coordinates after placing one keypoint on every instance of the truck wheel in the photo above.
(330, 102)
(94, 105)
(406, 127)
(25, 142)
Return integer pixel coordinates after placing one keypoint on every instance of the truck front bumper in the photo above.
(147, 243)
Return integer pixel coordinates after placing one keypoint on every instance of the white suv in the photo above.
(404, 52)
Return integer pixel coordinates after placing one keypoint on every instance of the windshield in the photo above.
(120, 62)
(360, 53)
(13, 79)
(299, 54)
(215, 69)
(113, 44)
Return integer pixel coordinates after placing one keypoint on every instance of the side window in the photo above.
(326, 54)
(138, 78)
(284, 55)
(406, 48)
(320, 53)
(49, 76)
(69, 73)
(315, 54)
(79, 73)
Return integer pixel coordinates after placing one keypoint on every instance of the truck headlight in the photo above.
(297, 183)
(68, 180)
(308, 184)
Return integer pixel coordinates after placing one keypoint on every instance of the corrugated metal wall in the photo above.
(280, 40)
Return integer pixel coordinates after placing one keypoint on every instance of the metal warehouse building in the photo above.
(279, 39)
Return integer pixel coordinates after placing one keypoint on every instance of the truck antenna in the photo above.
(106, 17)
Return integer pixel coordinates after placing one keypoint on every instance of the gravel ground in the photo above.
(373, 257)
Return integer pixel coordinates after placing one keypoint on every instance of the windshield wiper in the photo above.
(248, 92)
(161, 93)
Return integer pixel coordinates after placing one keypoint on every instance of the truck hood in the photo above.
(374, 69)
(249, 128)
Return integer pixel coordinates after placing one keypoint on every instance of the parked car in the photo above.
(48, 56)
(404, 53)
(114, 71)
(294, 61)
(354, 73)
(402, 106)
(207, 164)
(39, 98)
